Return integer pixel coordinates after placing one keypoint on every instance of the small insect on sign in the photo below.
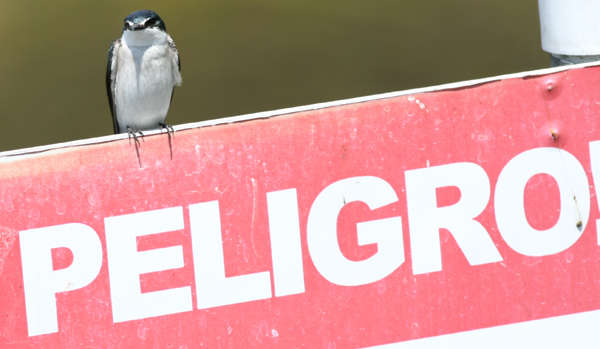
(453, 214)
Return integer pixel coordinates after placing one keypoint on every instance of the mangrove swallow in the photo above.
(141, 74)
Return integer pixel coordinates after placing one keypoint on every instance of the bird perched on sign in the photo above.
(141, 74)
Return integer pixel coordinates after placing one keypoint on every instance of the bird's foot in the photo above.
(134, 133)
(167, 127)
(169, 131)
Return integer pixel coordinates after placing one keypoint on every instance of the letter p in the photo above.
(41, 282)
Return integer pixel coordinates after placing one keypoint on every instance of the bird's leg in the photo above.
(132, 133)
(169, 131)
(167, 127)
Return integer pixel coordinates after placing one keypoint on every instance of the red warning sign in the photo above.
(353, 224)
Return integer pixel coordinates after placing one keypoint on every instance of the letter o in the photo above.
(574, 201)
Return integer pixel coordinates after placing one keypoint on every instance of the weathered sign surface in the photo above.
(385, 220)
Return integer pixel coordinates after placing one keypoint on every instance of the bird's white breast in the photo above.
(146, 74)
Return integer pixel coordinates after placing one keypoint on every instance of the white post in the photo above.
(570, 30)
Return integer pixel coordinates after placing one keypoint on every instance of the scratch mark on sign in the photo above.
(254, 188)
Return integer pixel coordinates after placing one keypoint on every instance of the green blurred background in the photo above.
(240, 57)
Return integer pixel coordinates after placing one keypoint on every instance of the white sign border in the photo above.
(578, 330)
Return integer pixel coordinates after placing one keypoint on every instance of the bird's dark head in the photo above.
(143, 19)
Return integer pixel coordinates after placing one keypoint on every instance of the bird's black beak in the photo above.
(134, 26)
(137, 26)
